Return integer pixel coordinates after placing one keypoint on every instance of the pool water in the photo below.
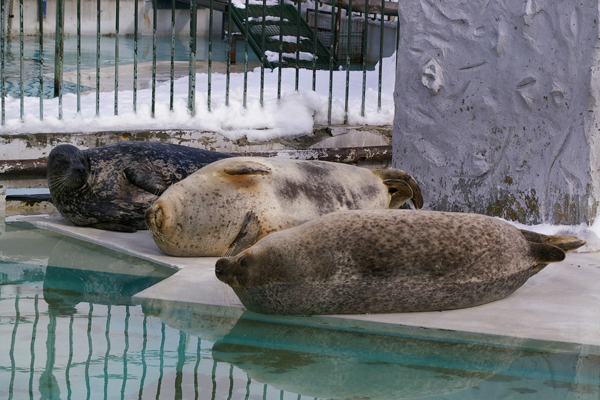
(71, 330)
(32, 58)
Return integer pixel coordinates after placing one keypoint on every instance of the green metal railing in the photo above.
(258, 24)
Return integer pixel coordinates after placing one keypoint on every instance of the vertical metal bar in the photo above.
(262, 53)
(41, 52)
(248, 387)
(210, 40)
(230, 382)
(32, 346)
(381, 33)
(70, 360)
(108, 346)
(135, 52)
(162, 360)
(21, 61)
(199, 346)
(126, 335)
(348, 49)
(90, 352)
(364, 51)
(97, 57)
(246, 33)
(2, 40)
(11, 354)
(192, 73)
(229, 39)
(179, 366)
(59, 46)
(154, 25)
(214, 380)
(53, 390)
(336, 31)
(298, 43)
(117, 58)
(78, 56)
(171, 92)
(144, 366)
(316, 40)
(280, 49)
(265, 385)
(331, 50)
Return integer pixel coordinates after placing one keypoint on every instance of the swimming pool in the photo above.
(70, 330)
(31, 56)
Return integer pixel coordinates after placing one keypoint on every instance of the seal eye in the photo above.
(243, 261)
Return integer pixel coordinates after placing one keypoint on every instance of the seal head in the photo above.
(68, 169)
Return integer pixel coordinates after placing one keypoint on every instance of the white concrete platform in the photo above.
(561, 303)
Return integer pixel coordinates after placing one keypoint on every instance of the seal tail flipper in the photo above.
(400, 192)
(544, 254)
(397, 174)
(565, 243)
(248, 235)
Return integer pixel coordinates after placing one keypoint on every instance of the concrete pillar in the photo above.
(496, 107)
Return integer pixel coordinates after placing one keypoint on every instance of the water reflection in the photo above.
(329, 363)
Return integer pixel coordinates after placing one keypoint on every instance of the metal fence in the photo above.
(343, 35)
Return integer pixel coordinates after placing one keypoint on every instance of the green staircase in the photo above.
(284, 19)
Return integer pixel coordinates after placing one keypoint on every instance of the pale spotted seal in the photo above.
(383, 261)
(110, 187)
(228, 205)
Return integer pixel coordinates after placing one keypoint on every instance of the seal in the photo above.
(110, 187)
(227, 206)
(386, 261)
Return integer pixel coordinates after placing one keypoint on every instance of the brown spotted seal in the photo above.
(385, 261)
(227, 206)
(110, 187)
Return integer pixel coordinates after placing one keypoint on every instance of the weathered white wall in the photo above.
(108, 18)
(496, 106)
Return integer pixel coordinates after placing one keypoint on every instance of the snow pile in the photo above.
(294, 114)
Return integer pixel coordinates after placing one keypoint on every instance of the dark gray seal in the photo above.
(383, 261)
(110, 187)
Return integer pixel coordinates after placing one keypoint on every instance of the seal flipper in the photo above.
(565, 243)
(113, 226)
(544, 254)
(400, 191)
(394, 173)
(249, 233)
(147, 179)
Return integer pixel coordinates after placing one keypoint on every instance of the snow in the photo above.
(293, 115)
(288, 38)
(302, 55)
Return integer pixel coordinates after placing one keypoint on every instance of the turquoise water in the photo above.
(32, 58)
(70, 330)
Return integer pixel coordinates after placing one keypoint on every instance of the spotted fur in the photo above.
(208, 214)
(382, 261)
